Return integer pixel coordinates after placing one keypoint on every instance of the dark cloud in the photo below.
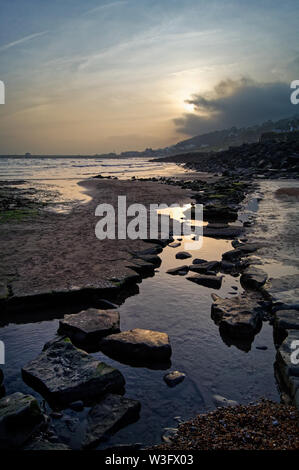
(238, 103)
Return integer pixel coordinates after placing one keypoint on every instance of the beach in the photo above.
(54, 266)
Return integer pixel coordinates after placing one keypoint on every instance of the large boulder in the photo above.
(138, 344)
(63, 374)
(108, 416)
(88, 326)
(20, 417)
(253, 278)
(239, 316)
(207, 280)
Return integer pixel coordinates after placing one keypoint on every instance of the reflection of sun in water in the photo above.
(189, 107)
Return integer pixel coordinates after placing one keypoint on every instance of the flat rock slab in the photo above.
(253, 278)
(287, 319)
(138, 344)
(183, 255)
(174, 378)
(206, 280)
(108, 416)
(287, 357)
(90, 325)
(222, 232)
(64, 374)
(204, 267)
(284, 291)
(239, 316)
(20, 417)
(180, 270)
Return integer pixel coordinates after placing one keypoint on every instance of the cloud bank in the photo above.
(240, 103)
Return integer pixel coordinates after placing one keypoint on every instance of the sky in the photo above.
(94, 76)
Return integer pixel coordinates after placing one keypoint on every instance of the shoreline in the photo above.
(134, 272)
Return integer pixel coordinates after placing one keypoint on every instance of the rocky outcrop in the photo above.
(108, 416)
(253, 278)
(239, 316)
(63, 374)
(88, 326)
(138, 344)
(174, 378)
(218, 212)
(20, 417)
(207, 280)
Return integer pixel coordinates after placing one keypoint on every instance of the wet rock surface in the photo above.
(183, 255)
(20, 417)
(64, 374)
(207, 280)
(108, 416)
(138, 344)
(174, 378)
(204, 267)
(239, 316)
(62, 271)
(287, 319)
(253, 278)
(180, 270)
(90, 325)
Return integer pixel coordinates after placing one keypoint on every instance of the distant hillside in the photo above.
(220, 140)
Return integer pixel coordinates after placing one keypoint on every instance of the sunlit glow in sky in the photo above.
(93, 76)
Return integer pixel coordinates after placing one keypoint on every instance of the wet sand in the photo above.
(52, 252)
